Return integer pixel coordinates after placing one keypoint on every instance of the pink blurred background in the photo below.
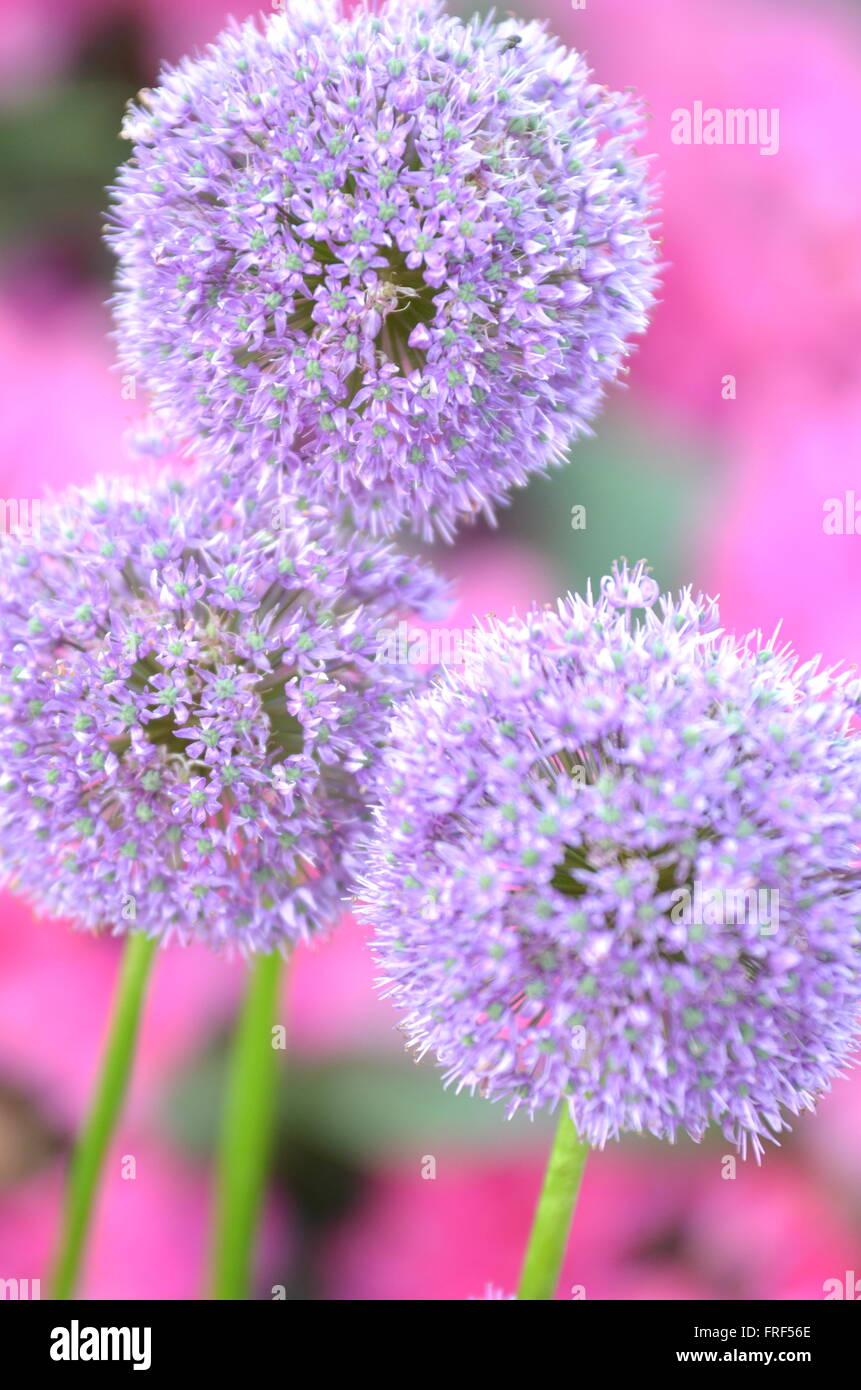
(741, 424)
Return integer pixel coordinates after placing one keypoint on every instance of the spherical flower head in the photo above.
(191, 700)
(396, 254)
(616, 867)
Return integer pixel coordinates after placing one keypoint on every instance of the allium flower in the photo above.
(396, 253)
(615, 865)
(190, 704)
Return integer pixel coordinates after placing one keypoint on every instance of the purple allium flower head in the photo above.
(191, 699)
(616, 865)
(386, 251)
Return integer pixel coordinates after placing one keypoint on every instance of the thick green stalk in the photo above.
(554, 1213)
(93, 1141)
(246, 1136)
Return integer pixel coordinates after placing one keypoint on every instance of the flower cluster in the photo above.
(396, 254)
(191, 699)
(551, 811)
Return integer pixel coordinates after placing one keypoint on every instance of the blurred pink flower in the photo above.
(172, 30)
(763, 273)
(148, 1237)
(770, 1233)
(645, 1229)
(330, 1003)
(38, 39)
(56, 988)
(832, 1137)
(446, 1238)
(494, 576)
(150, 1231)
(63, 414)
(767, 551)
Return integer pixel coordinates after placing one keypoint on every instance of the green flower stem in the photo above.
(246, 1136)
(91, 1148)
(554, 1213)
